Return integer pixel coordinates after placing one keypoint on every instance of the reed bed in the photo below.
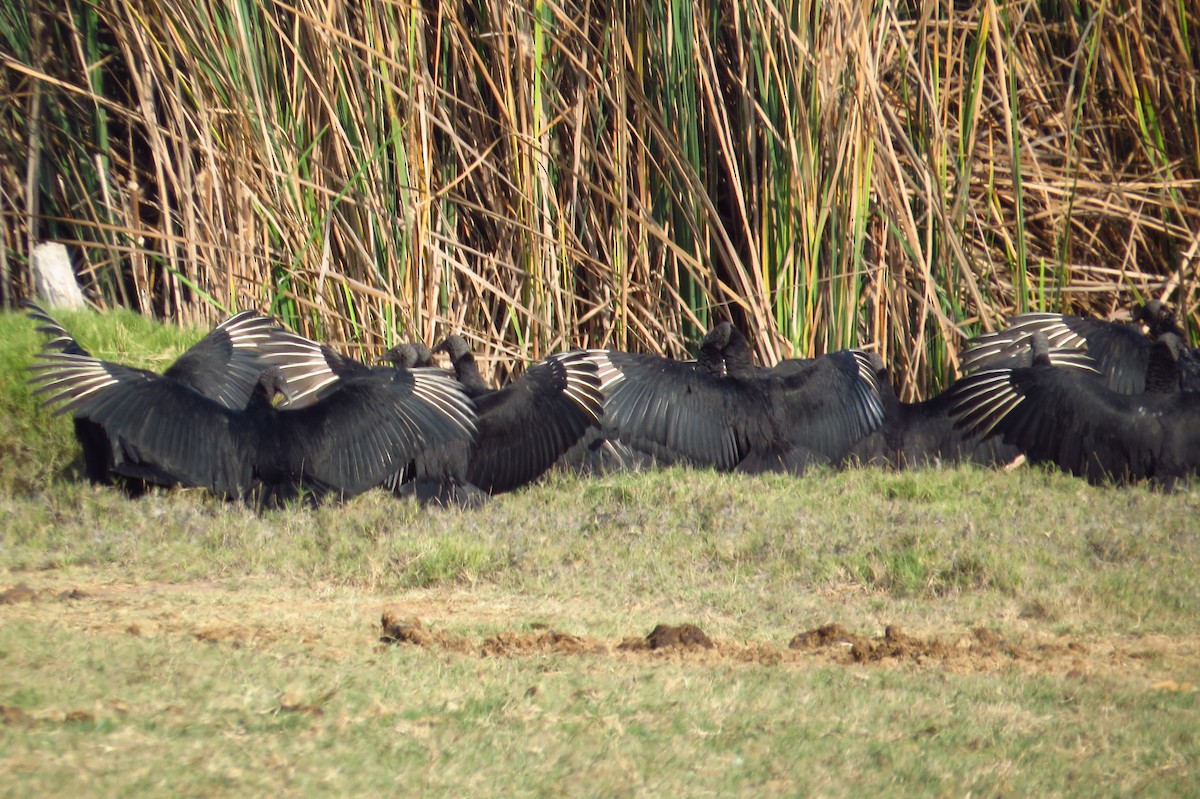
(551, 173)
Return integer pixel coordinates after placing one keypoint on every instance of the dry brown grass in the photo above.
(555, 174)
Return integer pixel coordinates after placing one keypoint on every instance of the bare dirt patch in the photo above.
(14, 715)
(978, 650)
(540, 642)
(981, 644)
(21, 592)
(342, 623)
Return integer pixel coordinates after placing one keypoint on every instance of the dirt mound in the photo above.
(980, 650)
(542, 642)
(895, 644)
(397, 630)
(23, 592)
(822, 637)
(401, 629)
(666, 636)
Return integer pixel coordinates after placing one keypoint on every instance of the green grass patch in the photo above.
(191, 717)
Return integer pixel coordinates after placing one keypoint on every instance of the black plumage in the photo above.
(918, 434)
(1070, 416)
(350, 440)
(723, 412)
(314, 371)
(602, 450)
(224, 366)
(466, 370)
(1120, 351)
(526, 426)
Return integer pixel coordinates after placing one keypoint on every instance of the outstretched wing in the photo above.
(154, 425)
(225, 365)
(60, 340)
(371, 426)
(526, 426)
(311, 370)
(679, 412)
(827, 406)
(1120, 351)
(1069, 417)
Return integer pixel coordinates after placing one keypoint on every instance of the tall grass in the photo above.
(561, 172)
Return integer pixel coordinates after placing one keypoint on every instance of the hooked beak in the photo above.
(281, 398)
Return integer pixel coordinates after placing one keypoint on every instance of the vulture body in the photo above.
(437, 473)
(1071, 417)
(723, 412)
(224, 366)
(210, 420)
(919, 434)
(526, 426)
(163, 431)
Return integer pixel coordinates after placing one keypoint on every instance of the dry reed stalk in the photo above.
(559, 173)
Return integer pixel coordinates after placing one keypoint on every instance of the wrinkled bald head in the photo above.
(273, 386)
(1158, 317)
(455, 346)
(408, 355)
(718, 337)
(402, 356)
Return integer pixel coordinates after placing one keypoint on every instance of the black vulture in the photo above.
(1068, 415)
(462, 360)
(917, 434)
(313, 371)
(601, 449)
(526, 426)
(409, 355)
(723, 412)
(224, 366)
(1120, 351)
(349, 440)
